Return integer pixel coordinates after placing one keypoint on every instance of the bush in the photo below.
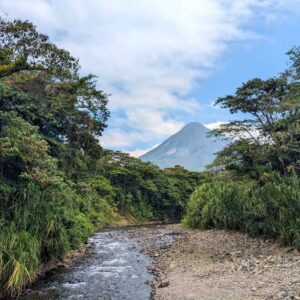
(78, 227)
(271, 209)
(215, 205)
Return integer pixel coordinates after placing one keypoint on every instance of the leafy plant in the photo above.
(271, 209)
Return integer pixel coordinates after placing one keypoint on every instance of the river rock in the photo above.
(163, 283)
(282, 295)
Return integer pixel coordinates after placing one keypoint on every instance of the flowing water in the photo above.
(115, 269)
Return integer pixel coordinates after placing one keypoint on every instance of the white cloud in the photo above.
(141, 125)
(153, 121)
(119, 138)
(147, 53)
(250, 133)
(214, 125)
(139, 152)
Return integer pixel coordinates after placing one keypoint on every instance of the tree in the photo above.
(67, 109)
(23, 48)
(268, 136)
(24, 155)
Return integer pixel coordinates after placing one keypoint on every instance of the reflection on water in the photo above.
(115, 269)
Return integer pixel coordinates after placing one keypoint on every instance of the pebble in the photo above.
(163, 283)
(282, 295)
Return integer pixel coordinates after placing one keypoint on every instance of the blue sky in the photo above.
(164, 62)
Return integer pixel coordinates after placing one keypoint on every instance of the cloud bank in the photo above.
(150, 55)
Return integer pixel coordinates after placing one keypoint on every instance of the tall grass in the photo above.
(42, 226)
(271, 209)
(19, 258)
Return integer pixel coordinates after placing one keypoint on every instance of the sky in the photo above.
(165, 62)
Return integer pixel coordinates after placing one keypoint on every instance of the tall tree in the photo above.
(22, 48)
(268, 135)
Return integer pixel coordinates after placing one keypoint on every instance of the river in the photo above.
(115, 269)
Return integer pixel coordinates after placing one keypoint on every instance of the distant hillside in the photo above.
(190, 147)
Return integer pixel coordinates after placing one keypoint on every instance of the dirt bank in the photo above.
(218, 265)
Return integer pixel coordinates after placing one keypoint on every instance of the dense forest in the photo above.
(57, 184)
(255, 184)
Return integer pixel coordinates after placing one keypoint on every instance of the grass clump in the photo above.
(271, 208)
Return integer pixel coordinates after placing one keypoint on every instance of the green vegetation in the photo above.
(146, 192)
(57, 184)
(255, 185)
(271, 208)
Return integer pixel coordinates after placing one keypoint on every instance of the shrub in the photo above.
(78, 227)
(271, 208)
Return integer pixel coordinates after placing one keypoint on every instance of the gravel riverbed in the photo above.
(217, 264)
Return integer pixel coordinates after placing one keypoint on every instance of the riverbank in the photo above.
(186, 264)
(217, 264)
